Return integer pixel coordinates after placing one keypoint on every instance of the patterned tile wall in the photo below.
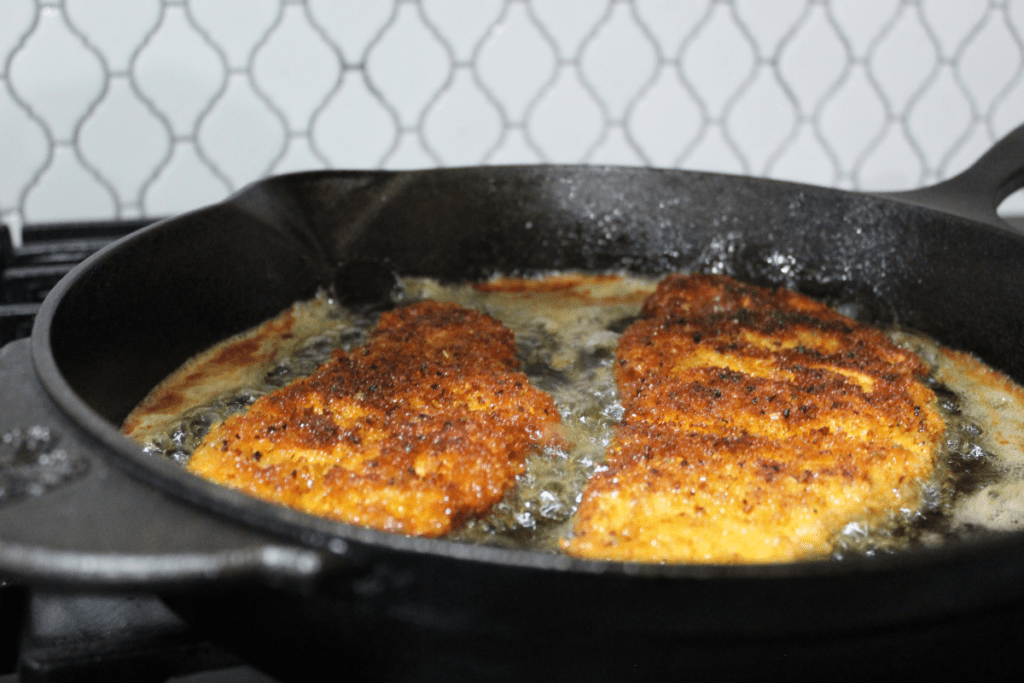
(128, 108)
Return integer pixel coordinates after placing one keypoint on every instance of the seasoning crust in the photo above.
(757, 424)
(426, 425)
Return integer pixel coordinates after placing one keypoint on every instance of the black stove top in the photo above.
(114, 638)
(117, 638)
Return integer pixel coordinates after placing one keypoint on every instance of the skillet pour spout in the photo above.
(84, 507)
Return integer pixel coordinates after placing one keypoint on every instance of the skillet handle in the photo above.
(977, 192)
(70, 520)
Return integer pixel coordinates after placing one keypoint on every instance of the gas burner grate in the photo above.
(112, 638)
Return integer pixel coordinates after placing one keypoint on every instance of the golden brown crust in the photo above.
(757, 423)
(426, 425)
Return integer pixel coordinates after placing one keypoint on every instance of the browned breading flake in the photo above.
(425, 426)
(757, 424)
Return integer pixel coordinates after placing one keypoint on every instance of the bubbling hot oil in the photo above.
(567, 339)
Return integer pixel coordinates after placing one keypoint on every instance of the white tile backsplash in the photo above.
(516, 62)
(56, 76)
(125, 108)
(179, 72)
(235, 27)
(617, 81)
(463, 125)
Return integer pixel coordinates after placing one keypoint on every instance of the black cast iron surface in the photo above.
(49, 637)
(100, 513)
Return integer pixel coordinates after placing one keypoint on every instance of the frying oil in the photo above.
(567, 332)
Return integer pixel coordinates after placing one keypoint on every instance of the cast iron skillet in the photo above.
(83, 508)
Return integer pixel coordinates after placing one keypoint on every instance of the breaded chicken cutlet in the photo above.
(426, 425)
(757, 424)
